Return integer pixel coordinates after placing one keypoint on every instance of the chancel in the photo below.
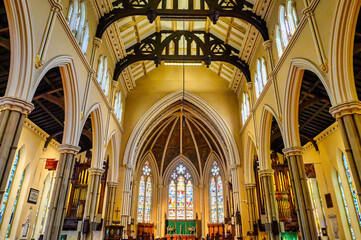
(180, 119)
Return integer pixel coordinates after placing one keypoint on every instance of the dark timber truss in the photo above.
(199, 47)
(152, 8)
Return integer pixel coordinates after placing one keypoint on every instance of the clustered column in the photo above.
(159, 215)
(12, 118)
(235, 184)
(301, 193)
(348, 116)
(57, 204)
(250, 189)
(203, 226)
(272, 224)
(126, 198)
(112, 188)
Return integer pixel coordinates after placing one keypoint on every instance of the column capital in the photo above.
(112, 184)
(67, 148)
(97, 41)
(265, 172)
(250, 186)
(160, 186)
(267, 45)
(343, 109)
(96, 171)
(201, 186)
(292, 151)
(115, 84)
(16, 104)
(249, 85)
(234, 166)
(129, 166)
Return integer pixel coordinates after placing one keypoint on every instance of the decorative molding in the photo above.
(112, 184)
(343, 109)
(292, 151)
(322, 136)
(250, 186)
(28, 124)
(96, 171)
(266, 172)
(16, 104)
(67, 148)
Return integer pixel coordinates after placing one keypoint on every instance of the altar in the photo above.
(181, 229)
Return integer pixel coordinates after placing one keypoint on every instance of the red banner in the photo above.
(51, 164)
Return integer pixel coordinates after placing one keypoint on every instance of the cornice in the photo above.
(28, 124)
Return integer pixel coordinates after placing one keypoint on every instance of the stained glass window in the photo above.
(15, 204)
(180, 205)
(346, 208)
(145, 194)
(41, 231)
(352, 189)
(8, 187)
(216, 195)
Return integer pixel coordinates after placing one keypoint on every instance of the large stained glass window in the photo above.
(180, 203)
(8, 187)
(145, 194)
(352, 189)
(346, 208)
(216, 195)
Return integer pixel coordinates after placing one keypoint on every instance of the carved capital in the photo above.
(249, 86)
(97, 41)
(267, 45)
(96, 171)
(266, 172)
(67, 148)
(115, 84)
(250, 186)
(292, 151)
(112, 184)
(16, 104)
(343, 109)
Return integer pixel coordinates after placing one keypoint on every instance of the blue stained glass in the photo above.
(148, 200)
(353, 192)
(8, 188)
(15, 204)
(213, 192)
(217, 198)
(220, 200)
(346, 208)
(46, 206)
(141, 199)
(172, 200)
(180, 198)
(189, 207)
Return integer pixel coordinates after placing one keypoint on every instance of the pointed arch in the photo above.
(208, 166)
(181, 160)
(250, 151)
(114, 140)
(149, 157)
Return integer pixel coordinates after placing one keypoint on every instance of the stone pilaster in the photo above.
(159, 214)
(251, 203)
(96, 44)
(112, 187)
(251, 95)
(267, 46)
(301, 194)
(203, 217)
(60, 193)
(236, 200)
(272, 222)
(348, 116)
(126, 206)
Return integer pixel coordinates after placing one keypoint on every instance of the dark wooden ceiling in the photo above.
(49, 96)
(357, 57)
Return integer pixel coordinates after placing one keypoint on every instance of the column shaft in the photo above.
(250, 189)
(159, 215)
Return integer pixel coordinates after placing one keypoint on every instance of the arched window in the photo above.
(85, 38)
(261, 76)
(278, 41)
(78, 25)
(105, 83)
(291, 16)
(180, 195)
(79, 28)
(15, 204)
(118, 106)
(351, 188)
(264, 71)
(73, 14)
(216, 195)
(103, 74)
(100, 69)
(283, 26)
(245, 107)
(8, 187)
(346, 207)
(145, 195)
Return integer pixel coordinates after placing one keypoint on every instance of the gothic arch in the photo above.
(250, 151)
(71, 95)
(188, 164)
(22, 48)
(292, 96)
(156, 178)
(208, 166)
(342, 45)
(265, 135)
(114, 159)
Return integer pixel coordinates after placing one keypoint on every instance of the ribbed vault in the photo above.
(191, 136)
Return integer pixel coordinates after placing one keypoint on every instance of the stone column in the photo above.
(267, 46)
(90, 209)
(126, 204)
(12, 118)
(301, 194)
(272, 224)
(203, 214)
(109, 210)
(348, 116)
(60, 193)
(251, 95)
(251, 203)
(159, 215)
(236, 199)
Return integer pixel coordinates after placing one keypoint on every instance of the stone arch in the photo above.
(71, 95)
(156, 178)
(342, 45)
(97, 125)
(114, 143)
(208, 166)
(292, 96)
(187, 163)
(250, 151)
(265, 135)
(22, 48)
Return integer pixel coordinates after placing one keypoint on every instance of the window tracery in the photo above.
(180, 196)
(245, 107)
(145, 195)
(216, 195)
(118, 106)
(260, 76)
(78, 24)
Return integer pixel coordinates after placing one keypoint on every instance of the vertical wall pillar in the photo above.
(203, 215)
(251, 95)
(159, 214)
(251, 203)
(126, 206)
(301, 194)
(272, 224)
(12, 118)
(236, 200)
(60, 193)
(112, 188)
(90, 209)
(267, 46)
(348, 116)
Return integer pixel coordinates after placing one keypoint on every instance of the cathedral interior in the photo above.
(180, 119)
